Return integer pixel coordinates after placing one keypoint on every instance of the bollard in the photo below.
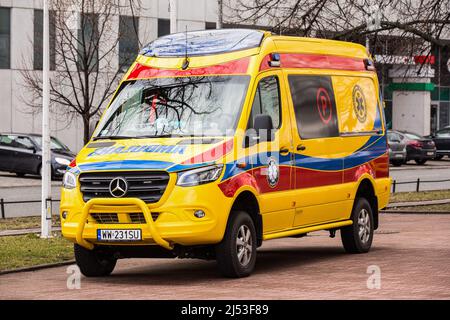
(2, 208)
(393, 186)
(418, 184)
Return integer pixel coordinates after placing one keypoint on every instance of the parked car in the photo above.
(442, 141)
(22, 154)
(397, 149)
(418, 148)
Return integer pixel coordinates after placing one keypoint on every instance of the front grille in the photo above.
(138, 217)
(105, 218)
(112, 218)
(148, 186)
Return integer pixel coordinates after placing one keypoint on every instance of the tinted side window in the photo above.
(267, 101)
(443, 134)
(5, 141)
(22, 142)
(314, 106)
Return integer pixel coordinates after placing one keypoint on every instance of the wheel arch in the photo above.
(366, 189)
(248, 202)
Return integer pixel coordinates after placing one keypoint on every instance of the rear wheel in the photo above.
(236, 254)
(397, 163)
(93, 263)
(438, 157)
(420, 161)
(358, 237)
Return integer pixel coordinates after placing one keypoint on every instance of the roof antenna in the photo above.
(185, 64)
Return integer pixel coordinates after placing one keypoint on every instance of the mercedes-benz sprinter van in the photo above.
(216, 141)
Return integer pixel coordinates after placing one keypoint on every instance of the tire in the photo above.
(420, 161)
(20, 175)
(438, 157)
(397, 163)
(240, 226)
(93, 263)
(362, 218)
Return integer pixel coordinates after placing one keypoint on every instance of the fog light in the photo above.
(64, 215)
(199, 214)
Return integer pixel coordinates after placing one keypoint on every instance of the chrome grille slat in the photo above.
(105, 218)
(148, 186)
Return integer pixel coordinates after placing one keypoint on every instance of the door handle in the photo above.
(301, 147)
(284, 150)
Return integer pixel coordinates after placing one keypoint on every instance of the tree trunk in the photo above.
(86, 130)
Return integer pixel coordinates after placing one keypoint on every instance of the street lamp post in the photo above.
(46, 213)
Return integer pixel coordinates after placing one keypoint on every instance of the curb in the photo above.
(38, 267)
(413, 212)
(410, 167)
(21, 232)
(418, 203)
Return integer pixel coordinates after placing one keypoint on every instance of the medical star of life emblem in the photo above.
(359, 104)
(273, 172)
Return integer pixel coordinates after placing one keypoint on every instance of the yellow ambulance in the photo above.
(218, 140)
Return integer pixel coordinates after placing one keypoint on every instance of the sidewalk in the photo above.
(19, 232)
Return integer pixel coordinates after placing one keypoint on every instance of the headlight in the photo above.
(69, 180)
(198, 176)
(62, 161)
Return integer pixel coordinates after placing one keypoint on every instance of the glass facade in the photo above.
(128, 40)
(38, 40)
(5, 38)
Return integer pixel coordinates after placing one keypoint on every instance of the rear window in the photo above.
(413, 136)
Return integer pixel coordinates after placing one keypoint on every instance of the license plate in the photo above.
(399, 156)
(430, 153)
(119, 235)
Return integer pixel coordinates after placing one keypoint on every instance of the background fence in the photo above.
(418, 182)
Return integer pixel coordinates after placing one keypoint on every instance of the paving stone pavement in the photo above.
(412, 252)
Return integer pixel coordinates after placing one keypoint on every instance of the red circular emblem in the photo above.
(324, 105)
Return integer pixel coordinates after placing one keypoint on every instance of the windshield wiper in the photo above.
(112, 137)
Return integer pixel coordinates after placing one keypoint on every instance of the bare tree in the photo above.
(423, 21)
(87, 67)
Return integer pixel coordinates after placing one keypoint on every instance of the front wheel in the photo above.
(358, 237)
(236, 254)
(397, 163)
(93, 263)
(421, 161)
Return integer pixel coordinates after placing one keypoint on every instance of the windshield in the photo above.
(413, 136)
(54, 143)
(184, 106)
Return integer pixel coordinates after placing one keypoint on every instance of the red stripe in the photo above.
(316, 61)
(306, 178)
(232, 67)
(212, 154)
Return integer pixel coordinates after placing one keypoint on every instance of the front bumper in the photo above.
(397, 155)
(421, 154)
(175, 222)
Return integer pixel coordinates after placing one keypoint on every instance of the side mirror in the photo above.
(264, 127)
(92, 128)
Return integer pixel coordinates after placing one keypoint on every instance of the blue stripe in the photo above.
(139, 165)
(125, 165)
(372, 149)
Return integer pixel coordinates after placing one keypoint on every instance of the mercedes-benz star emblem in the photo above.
(118, 187)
